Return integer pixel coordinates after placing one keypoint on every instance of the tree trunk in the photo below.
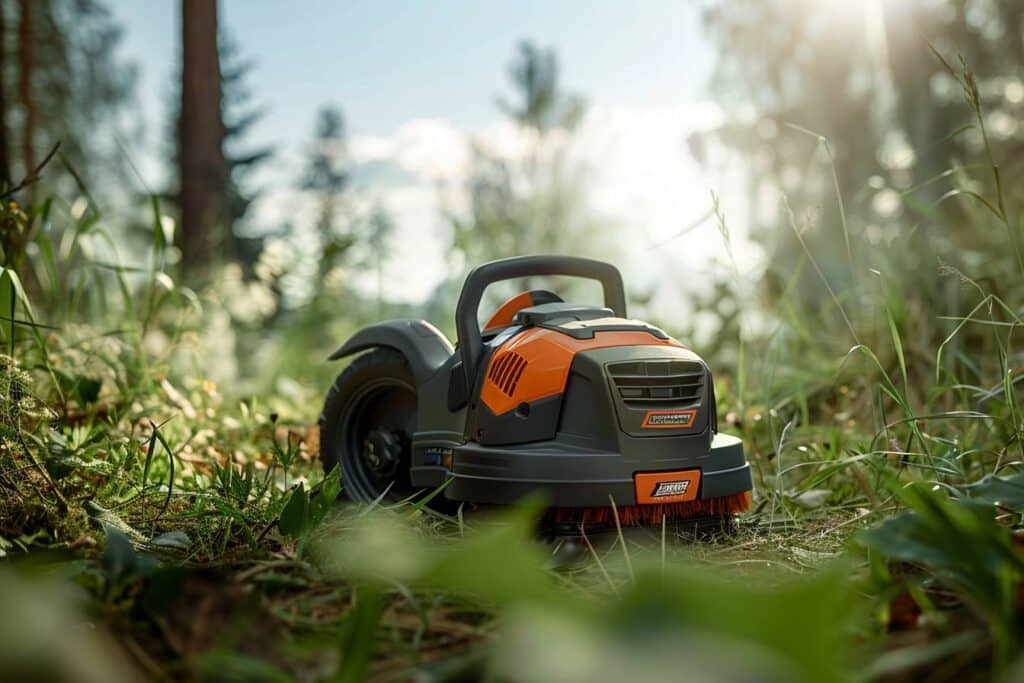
(202, 170)
(26, 68)
(5, 155)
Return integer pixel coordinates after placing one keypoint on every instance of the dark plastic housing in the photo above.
(466, 325)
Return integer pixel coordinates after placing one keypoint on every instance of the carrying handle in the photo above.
(468, 328)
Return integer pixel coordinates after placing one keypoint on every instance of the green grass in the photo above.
(176, 529)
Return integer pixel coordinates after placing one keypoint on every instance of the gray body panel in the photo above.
(422, 344)
(568, 477)
(592, 455)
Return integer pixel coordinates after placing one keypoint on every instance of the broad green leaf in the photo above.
(358, 637)
(501, 563)
(107, 520)
(173, 540)
(326, 496)
(1007, 492)
(295, 515)
(121, 561)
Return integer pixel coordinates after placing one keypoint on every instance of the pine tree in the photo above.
(202, 169)
(326, 180)
(380, 228)
(242, 159)
(64, 84)
(543, 105)
(228, 238)
(534, 204)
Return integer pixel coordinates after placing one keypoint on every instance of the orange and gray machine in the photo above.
(577, 402)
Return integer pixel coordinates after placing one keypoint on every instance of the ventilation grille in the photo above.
(656, 384)
(506, 371)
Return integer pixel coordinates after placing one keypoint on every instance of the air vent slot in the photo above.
(658, 384)
(505, 372)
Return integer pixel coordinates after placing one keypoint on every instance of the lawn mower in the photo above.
(610, 419)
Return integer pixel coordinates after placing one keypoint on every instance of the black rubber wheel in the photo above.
(367, 424)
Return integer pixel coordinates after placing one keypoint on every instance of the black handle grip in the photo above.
(466, 324)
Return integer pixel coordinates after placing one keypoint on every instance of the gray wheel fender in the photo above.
(422, 344)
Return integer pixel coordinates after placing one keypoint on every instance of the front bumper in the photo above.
(570, 477)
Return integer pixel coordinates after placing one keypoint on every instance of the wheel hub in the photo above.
(382, 451)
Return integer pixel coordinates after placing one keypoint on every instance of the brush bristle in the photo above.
(652, 514)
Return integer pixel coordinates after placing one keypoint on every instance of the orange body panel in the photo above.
(647, 485)
(548, 356)
(503, 316)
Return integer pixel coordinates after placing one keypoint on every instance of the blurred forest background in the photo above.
(860, 75)
(853, 270)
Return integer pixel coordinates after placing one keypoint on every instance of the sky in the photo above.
(387, 62)
(416, 80)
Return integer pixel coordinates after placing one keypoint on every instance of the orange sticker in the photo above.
(666, 487)
(669, 419)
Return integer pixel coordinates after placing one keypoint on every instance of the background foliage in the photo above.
(163, 515)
